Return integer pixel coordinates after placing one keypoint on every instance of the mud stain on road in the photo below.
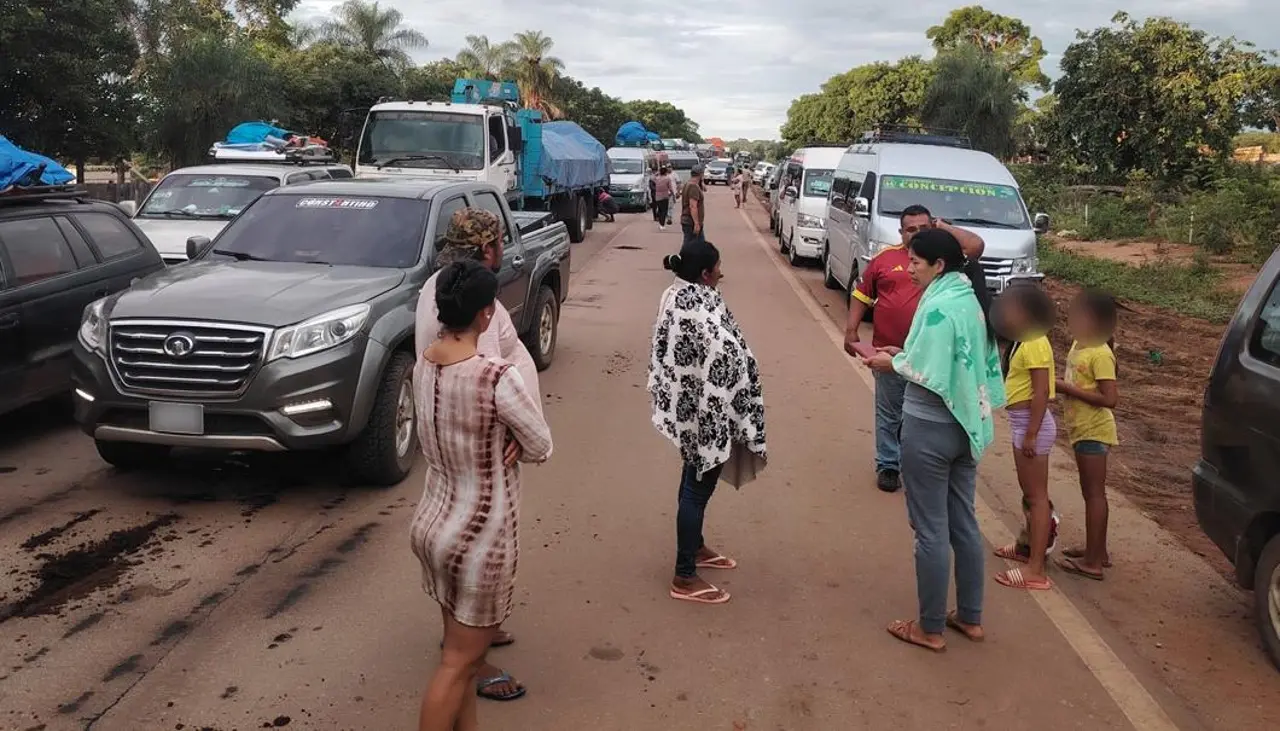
(67, 709)
(174, 630)
(45, 501)
(357, 539)
(84, 624)
(122, 668)
(82, 570)
(327, 564)
(43, 539)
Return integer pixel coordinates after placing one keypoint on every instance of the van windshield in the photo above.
(627, 165)
(205, 196)
(958, 201)
(817, 183)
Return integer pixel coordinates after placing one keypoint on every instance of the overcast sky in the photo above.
(735, 67)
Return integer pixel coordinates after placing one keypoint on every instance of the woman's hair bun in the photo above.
(671, 262)
(462, 291)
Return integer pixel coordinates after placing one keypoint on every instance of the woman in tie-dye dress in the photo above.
(464, 531)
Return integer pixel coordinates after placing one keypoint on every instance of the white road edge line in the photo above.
(1125, 689)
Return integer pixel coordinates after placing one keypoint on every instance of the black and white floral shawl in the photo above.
(704, 379)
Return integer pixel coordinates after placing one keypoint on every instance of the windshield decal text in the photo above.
(982, 190)
(357, 204)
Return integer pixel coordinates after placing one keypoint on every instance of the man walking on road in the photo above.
(693, 207)
(664, 189)
(886, 286)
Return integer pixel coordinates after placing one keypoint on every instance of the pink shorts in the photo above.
(1020, 420)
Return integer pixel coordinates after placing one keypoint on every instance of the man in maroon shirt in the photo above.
(886, 286)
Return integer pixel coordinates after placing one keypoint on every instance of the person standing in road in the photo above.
(476, 234)
(952, 367)
(693, 210)
(664, 189)
(736, 184)
(470, 408)
(887, 286)
(707, 399)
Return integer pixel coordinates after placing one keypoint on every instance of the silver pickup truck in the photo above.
(294, 328)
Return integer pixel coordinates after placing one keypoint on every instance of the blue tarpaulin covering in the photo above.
(19, 167)
(571, 157)
(248, 133)
(632, 133)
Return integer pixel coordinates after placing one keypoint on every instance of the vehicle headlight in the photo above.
(804, 220)
(93, 325)
(319, 333)
(1025, 265)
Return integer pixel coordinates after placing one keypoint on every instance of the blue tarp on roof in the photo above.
(571, 157)
(249, 133)
(19, 167)
(631, 133)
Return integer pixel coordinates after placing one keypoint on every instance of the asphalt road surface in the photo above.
(253, 592)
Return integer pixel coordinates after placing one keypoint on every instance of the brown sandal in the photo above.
(971, 632)
(1078, 553)
(904, 629)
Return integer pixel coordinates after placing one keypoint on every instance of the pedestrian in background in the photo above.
(693, 210)
(736, 184)
(707, 399)
(952, 367)
(470, 408)
(664, 189)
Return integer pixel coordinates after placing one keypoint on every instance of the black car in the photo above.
(1237, 480)
(59, 251)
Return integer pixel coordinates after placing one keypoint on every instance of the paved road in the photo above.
(236, 594)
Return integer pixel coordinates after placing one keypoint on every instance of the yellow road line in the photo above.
(1125, 689)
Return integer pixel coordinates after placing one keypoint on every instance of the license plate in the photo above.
(176, 418)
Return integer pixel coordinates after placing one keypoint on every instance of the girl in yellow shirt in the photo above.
(1090, 393)
(1026, 313)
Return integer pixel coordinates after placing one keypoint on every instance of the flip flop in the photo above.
(901, 629)
(1014, 579)
(1011, 553)
(1071, 566)
(1078, 553)
(483, 685)
(954, 623)
(699, 597)
(717, 562)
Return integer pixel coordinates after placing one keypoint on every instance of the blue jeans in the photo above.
(689, 235)
(694, 495)
(890, 389)
(940, 477)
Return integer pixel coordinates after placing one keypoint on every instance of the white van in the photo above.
(887, 172)
(802, 207)
(630, 169)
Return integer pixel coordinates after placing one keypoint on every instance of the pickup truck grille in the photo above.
(187, 358)
(997, 267)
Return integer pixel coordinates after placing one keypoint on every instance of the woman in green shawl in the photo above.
(952, 367)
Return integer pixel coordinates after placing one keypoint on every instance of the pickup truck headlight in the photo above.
(804, 220)
(1025, 265)
(93, 326)
(319, 333)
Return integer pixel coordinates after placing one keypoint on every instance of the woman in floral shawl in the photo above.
(952, 367)
(707, 400)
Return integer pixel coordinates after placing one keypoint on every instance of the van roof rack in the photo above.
(36, 193)
(917, 135)
(314, 155)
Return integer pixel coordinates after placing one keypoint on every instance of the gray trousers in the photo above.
(940, 477)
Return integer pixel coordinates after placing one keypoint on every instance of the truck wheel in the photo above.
(541, 337)
(131, 455)
(1266, 598)
(591, 214)
(384, 453)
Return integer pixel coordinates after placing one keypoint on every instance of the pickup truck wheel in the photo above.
(131, 455)
(541, 338)
(384, 453)
(1266, 597)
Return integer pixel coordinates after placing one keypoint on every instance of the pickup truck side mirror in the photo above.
(197, 245)
(516, 138)
(1042, 223)
(861, 207)
(130, 208)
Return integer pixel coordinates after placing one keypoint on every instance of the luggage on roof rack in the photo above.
(19, 167)
(917, 135)
(310, 154)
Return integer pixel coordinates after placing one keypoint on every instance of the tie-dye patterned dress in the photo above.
(465, 529)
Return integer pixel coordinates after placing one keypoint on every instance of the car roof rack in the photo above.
(36, 193)
(313, 155)
(911, 134)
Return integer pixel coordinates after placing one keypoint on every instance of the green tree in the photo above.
(973, 93)
(485, 59)
(1263, 109)
(65, 86)
(1157, 96)
(327, 89)
(374, 30)
(535, 70)
(664, 118)
(595, 111)
(863, 98)
(1007, 39)
(432, 81)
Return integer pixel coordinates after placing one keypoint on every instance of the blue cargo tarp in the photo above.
(250, 133)
(571, 157)
(631, 134)
(19, 167)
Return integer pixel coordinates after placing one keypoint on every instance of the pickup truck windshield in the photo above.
(318, 229)
(817, 183)
(205, 196)
(626, 166)
(960, 202)
(420, 139)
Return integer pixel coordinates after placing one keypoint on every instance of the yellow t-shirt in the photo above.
(1030, 355)
(1085, 367)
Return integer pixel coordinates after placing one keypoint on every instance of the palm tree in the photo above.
(535, 70)
(483, 58)
(973, 93)
(366, 26)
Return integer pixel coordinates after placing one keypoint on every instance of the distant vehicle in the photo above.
(201, 200)
(59, 251)
(773, 194)
(718, 173)
(294, 329)
(761, 171)
(682, 163)
(890, 170)
(802, 210)
(483, 134)
(630, 169)
(1237, 495)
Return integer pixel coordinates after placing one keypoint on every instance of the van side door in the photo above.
(862, 225)
(840, 224)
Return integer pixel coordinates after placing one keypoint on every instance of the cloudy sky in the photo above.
(734, 68)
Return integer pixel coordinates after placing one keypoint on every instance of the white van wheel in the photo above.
(829, 277)
(792, 258)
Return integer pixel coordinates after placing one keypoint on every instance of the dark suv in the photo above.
(1237, 480)
(59, 251)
